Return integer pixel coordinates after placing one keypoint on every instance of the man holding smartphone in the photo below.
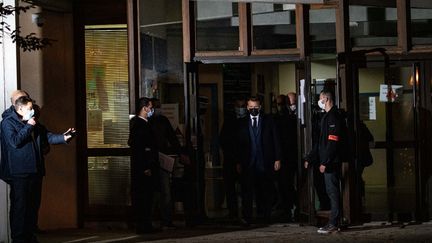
(22, 165)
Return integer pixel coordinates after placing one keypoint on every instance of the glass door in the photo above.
(386, 141)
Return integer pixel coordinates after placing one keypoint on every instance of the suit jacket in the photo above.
(267, 138)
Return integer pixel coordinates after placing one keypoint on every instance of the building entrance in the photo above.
(392, 107)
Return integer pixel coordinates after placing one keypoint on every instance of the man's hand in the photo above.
(277, 165)
(68, 134)
(322, 168)
(147, 172)
(306, 164)
(31, 121)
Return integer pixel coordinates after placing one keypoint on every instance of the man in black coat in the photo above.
(286, 123)
(228, 145)
(144, 165)
(259, 155)
(329, 153)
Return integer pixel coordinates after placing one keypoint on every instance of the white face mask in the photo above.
(28, 115)
(150, 113)
(321, 104)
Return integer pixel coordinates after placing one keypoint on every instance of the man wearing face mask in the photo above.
(227, 143)
(167, 143)
(292, 103)
(258, 157)
(329, 151)
(144, 165)
(285, 177)
(22, 165)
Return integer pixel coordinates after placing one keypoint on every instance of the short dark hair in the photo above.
(23, 100)
(328, 93)
(254, 99)
(142, 102)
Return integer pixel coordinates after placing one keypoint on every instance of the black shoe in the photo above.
(328, 229)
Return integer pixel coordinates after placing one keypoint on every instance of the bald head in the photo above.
(16, 94)
(292, 97)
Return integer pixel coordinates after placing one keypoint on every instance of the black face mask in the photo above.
(254, 111)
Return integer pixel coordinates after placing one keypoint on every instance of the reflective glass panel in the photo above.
(217, 26)
(421, 22)
(273, 26)
(404, 190)
(375, 198)
(162, 56)
(109, 181)
(403, 111)
(373, 26)
(323, 32)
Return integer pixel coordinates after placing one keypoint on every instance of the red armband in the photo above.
(333, 138)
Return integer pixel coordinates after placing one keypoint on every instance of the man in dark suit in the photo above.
(259, 155)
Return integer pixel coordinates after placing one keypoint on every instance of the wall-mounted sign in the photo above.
(390, 95)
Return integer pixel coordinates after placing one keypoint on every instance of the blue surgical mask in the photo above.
(240, 112)
(150, 113)
(28, 115)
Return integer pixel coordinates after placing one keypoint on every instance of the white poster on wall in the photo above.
(302, 100)
(372, 108)
(392, 95)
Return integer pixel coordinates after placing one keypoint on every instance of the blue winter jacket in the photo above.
(22, 146)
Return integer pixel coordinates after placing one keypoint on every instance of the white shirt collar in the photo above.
(145, 119)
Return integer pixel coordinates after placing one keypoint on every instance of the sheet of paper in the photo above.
(166, 162)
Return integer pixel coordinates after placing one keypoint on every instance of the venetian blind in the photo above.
(107, 91)
(107, 101)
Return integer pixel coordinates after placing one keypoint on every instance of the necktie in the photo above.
(254, 124)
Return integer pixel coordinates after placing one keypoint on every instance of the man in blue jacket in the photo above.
(22, 165)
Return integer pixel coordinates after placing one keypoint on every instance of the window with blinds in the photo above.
(107, 105)
(107, 88)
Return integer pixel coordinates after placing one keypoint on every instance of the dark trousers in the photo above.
(166, 204)
(320, 187)
(260, 186)
(230, 179)
(142, 201)
(286, 189)
(332, 188)
(25, 201)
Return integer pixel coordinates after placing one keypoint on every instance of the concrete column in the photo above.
(8, 79)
